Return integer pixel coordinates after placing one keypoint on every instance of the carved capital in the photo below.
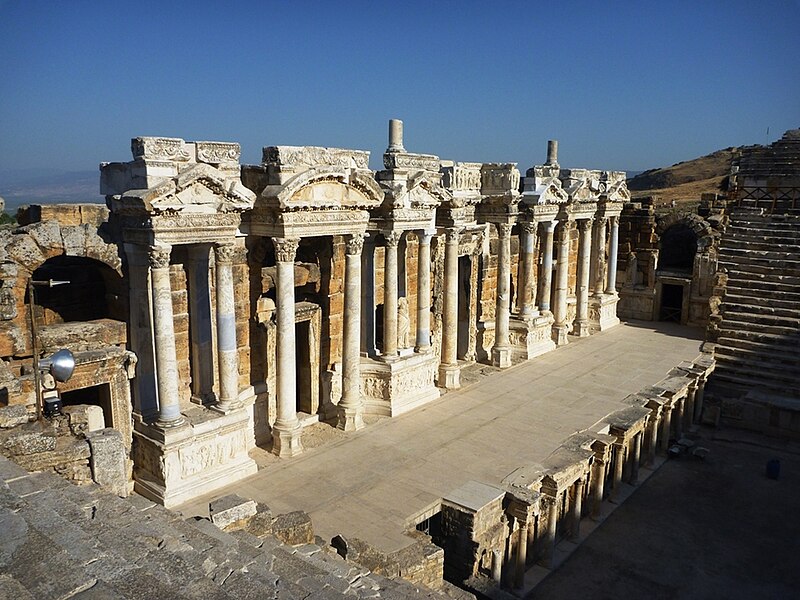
(563, 232)
(158, 256)
(354, 244)
(601, 222)
(392, 238)
(285, 248)
(452, 234)
(528, 227)
(585, 224)
(504, 229)
(224, 253)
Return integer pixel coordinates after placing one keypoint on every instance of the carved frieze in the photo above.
(197, 458)
(160, 148)
(313, 156)
(218, 152)
(406, 160)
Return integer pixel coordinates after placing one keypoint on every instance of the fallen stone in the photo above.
(260, 524)
(11, 416)
(293, 528)
(108, 460)
(231, 512)
(84, 418)
(30, 439)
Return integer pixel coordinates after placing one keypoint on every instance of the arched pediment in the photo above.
(325, 188)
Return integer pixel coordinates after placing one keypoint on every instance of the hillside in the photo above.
(687, 180)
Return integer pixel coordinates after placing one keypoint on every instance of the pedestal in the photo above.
(603, 312)
(531, 337)
(391, 388)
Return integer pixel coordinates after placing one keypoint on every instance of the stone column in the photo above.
(637, 457)
(598, 485)
(526, 272)
(351, 409)
(584, 254)
(286, 431)
(501, 351)
(169, 410)
(546, 279)
(611, 286)
(666, 428)
(600, 256)
(562, 283)
(423, 292)
(227, 355)
(448, 371)
(619, 463)
(688, 407)
(392, 239)
(522, 555)
(679, 419)
(497, 565)
(698, 399)
(577, 509)
(653, 440)
(550, 539)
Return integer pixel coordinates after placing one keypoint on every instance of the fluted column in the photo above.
(562, 283)
(501, 351)
(227, 355)
(526, 273)
(423, 292)
(286, 431)
(545, 289)
(577, 509)
(169, 410)
(448, 371)
(351, 408)
(600, 256)
(584, 257)
(611, 286)
(522, 555)
(392, 239)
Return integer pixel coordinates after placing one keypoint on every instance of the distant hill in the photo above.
(26, 187)
(687, 180)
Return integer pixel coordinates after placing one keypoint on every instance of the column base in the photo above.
(531, 337)
(172, 424)
(287, 442)
(501, 357)
(449, 377)
(560, 335)
(393, 388)
(350, 419)
(582, 328)
(603, 312)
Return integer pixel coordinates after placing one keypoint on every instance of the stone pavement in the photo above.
(374, 483)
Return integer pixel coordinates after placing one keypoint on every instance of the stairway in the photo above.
(58, 540)
(758, 349)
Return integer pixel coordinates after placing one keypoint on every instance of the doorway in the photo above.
(671, 302)
(464, 296)
(97, 395)
(303, 370)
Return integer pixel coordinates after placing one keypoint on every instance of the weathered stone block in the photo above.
(260, 524)
(109, 468)
(67, 450)
(84, 418)
(293, 528)
(29, 439)
(231, 512)
(11, 416)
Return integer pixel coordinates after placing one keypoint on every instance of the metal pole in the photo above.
(37, 384)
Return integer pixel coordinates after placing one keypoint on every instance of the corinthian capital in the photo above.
(285, 248)
(354, 244)
(158, 256)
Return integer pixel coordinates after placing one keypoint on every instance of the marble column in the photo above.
(169, 410)
(497, 565)
(678, 421)
(546, 279)
(619, 463)
(392, 240)
(501, 351)
(351, 408)
(581, 328)
(611, 286)
(653, 426)
(698, 399)
(600, 256)
(522, 555)
(525, 294)
(598, 487)
(423, 292)
(688, 407)
(637, 457)
(448, 371)
(286, 432)
(577, 509)
(562, 283)
(227, 354)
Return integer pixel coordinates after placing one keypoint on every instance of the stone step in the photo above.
(760, 317)
(746, 326)
(751, 298)
(767, 275)
(773, 375)
(775, 255)
(783, 361)
(756, 242)
(749, 381)
(777, 344)
(762, 268)
(764, 306)
(782, 341)
(766, 290)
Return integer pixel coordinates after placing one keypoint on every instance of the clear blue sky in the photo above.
(628, 85)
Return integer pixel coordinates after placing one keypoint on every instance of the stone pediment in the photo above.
(545, 192)
(324, 188)
(199, 188)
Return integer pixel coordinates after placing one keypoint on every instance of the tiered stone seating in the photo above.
(758, 349)
(58, 540)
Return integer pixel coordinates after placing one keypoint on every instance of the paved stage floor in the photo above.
(372, 483)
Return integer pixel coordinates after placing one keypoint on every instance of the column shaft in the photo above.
(666, 428)
(390, 293)
(611, 286)
(351, 409)
(423, 292)
(619, 463)
(562, 283)
(286, 431)
(522, 555)
(200, 324)
(526, 274)
(577, 509)
(546, 278)
(600, 256)
(598, 485)
(448, 372)
(227, 355)
(550, 541)
(698, 400)
(637, 457)
(169, 410)
(501, 352)
(653, 440)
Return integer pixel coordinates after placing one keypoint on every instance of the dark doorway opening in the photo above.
(97, 395)
(464, 296)
(671, 302)
(678, 247)
(303, 366)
